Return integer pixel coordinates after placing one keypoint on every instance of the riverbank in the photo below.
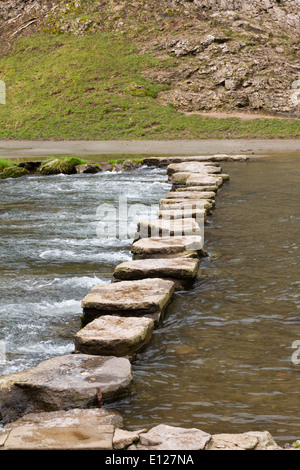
(93, 148)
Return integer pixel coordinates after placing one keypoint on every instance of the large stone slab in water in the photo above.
(192, 167)
(196, 213)
(185, 204)
(63, 437)
(129, 298)
(166, 246)
(164, 227)
(63, 382)
(199, 180)
(161, 267)
(197, 189)
(112, 335)
(191, 194)
(164, 437)
(165, 161)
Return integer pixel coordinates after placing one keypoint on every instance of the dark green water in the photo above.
(222, 359)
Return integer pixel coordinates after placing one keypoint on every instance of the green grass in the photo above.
(92, 87)
(6, 163)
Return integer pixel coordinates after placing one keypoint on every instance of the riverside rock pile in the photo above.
(58, 403)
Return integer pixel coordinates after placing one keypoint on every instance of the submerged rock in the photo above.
(61, 383)
(114, 336)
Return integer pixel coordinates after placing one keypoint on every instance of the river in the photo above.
(221, 360)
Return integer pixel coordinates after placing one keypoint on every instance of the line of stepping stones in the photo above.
(48, 405)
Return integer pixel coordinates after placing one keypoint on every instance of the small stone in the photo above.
(122, 438)
(163, 437)
(87, 168)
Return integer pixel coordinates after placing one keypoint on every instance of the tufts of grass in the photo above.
(6, 163)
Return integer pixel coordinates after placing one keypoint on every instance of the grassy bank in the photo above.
(93, 88)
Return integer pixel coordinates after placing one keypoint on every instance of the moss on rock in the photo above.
(66, 165)
(13, 172)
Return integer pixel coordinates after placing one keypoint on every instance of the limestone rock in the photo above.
(196, 213)
(192, 167)
(88, 168)
(168, 228)
(123, 438)
(129, 298)
(160, 267)
(186, 204)
(163, 246)
(73, 417)
(115, 336)
(64, 437)
(191, 194)
(63, 382)
(163, 437)
(245, 441)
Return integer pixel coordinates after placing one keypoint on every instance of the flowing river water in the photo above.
(221, 361)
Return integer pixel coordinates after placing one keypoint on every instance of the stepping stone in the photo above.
(63, 437)
(176, 268)
(63, 382)
(196, 188)
(167, 246)
(199, 214)
(187, 194)
(128, 298)
(168, 228)
(114, 336)
(165, 161)
(163, 437)
(182, 203)
(64, 429)
(192, 167)
(74, 417)
(199, 180)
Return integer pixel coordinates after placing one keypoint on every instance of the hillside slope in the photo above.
(110, 69)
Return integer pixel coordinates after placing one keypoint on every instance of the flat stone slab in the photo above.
(129, 298)
(166, 245)
(198, 214)
(192, 167)
(165, 161)
(111, 335)
(253, 440)
(198, 180)
(163, 437)
(74, 417)
(191, 194)
(161, 267)
(164, 227)
(185, 204)
(196, 188)
(64, 437)
(63, 382)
